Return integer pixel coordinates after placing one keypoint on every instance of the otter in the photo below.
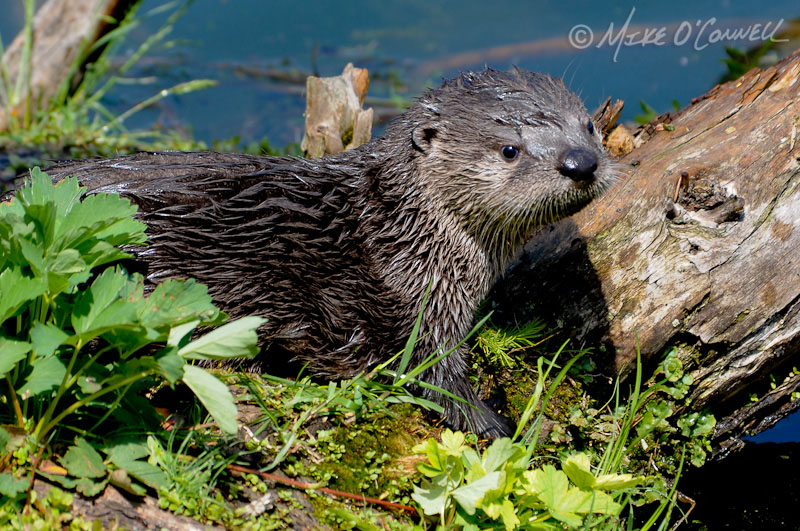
(338, 253)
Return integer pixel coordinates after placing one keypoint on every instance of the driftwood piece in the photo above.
(63, 32)
(335, 120)
(699, 247)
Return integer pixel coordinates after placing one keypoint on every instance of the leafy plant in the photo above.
(468, 490)
(76, 118)
(692, 431)
(52, 511)
(500, 345)
(77, 341)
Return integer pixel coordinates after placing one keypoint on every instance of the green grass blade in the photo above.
(412, 339)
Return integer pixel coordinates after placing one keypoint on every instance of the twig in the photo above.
(306, 486)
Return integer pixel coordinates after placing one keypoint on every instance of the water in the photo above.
(785, 431)
(415, 42)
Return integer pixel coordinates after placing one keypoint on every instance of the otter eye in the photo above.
(590, 127)
(509, 152)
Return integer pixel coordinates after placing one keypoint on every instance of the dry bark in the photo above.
(697, 247)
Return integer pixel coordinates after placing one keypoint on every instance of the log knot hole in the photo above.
(705, 199)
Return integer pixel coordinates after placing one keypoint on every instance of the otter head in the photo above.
(506, 152)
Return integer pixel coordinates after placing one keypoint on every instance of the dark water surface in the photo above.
(410, 45)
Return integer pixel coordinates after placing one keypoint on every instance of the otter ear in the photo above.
(422, 136)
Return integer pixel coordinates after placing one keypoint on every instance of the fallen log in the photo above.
(697, 248)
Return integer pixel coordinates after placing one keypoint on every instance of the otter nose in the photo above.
(579, 165)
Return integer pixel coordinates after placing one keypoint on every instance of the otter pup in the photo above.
(337, 253)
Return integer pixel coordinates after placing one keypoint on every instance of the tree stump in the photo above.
(698, 247)
(335, 120)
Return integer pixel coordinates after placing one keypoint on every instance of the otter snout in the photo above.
(579, 165)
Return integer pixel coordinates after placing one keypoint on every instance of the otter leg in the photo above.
(451, 375)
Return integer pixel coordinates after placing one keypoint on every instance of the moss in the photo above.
(374, 456)
(563, 401)
(517, 395)
(347, 136)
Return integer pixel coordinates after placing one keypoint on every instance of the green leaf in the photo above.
(506, 511)
(46, 374)
(124, 232)
(96, 214)
(453, 442)
(40, 190)
(214, 395)
(83, 461)
(61, 270)
(431, 498)
(34, 256)
(121, 453)
(128, 456)
(500, 452)
(98, 252)
(44, 220)
(616, 482)
(232, 340)
(45, 338)
(101, 307)
(67, 262)
(578, 469)
(150, 475)
(90, 487)
(435, 465)
(552, 487)
(11, 486)
(596, 502)
(17, 289)
(11, 353)
(122, 480)
(175, 302)
(179, 332)
(65, 481)
(469, 495)
(170, 364)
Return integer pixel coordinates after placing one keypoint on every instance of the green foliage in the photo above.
(75, 340)
(648, 114)
(739, 63)
(468, 490)
(692, 431)
(499, 345)
(76, 119)
(661, 432)
(53, 511)
(465, 489)
(188, 486)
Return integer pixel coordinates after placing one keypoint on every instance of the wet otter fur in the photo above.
(337, 253)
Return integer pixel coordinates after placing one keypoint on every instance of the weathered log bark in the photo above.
(698, 247)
